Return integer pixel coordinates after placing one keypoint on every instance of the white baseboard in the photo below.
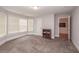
(56, 35)
(53, 37)
(76, 45)
(14, 36)
(6, 38)
(37, 34)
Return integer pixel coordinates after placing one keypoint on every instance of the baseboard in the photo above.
(52, 37)
(56, 35)
(37, 34)
(6, 39)
(13, 36)
(76, 45)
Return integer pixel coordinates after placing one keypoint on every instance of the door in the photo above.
(64, 28)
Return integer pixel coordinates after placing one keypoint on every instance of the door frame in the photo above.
(69, 26)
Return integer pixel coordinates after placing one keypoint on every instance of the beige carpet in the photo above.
(37, 44)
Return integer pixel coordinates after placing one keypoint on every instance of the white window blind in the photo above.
(23, 25)
(2, 24)
(30, 25)
(13, 24)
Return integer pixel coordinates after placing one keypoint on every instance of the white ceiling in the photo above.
(43, 10)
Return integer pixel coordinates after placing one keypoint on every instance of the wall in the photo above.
(45, 22)
(75, 27)
(38, 26)
(56, 26)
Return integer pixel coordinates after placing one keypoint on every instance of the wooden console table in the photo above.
(46, 33)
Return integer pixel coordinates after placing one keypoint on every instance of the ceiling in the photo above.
(43, 10)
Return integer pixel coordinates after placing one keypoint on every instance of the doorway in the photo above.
(64, 28)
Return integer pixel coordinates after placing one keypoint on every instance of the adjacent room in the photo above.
(39, 29)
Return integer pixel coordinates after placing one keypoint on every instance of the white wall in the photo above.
(45, 22)
(75, 27)
(38, 26)
(56, 26)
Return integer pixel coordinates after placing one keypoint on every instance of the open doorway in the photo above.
(64, 28)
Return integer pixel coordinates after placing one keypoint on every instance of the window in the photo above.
(13, 24)
(26, 25)
(17, 24)
(2, 24)
(23, 25)
(30, 25)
